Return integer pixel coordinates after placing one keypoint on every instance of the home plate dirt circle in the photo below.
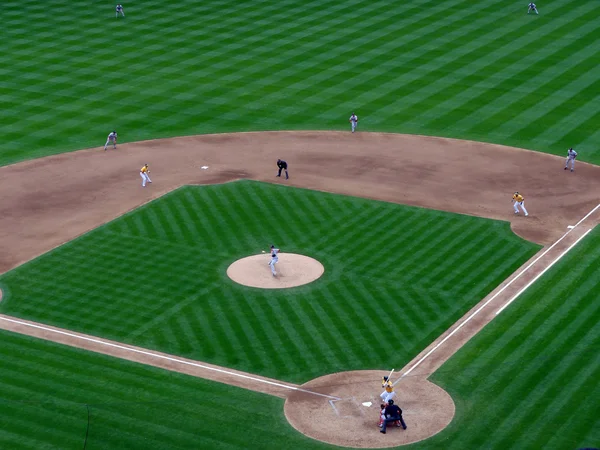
(292, 270)
(349, 422)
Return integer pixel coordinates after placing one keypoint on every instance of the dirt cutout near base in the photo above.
(50, 201)
(291, 270)
(427, 410)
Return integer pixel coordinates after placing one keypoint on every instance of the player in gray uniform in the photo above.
(111, 139)
(531, 7)
(274, 259)
(353, 121)
(571, 155)
(119, 11)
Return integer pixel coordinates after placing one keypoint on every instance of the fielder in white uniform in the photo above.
(145, 174)
(274, 259)
(111, 139)
(519, 201)
(531, 7)
(119, 11)
(571, 155)
(353, 121)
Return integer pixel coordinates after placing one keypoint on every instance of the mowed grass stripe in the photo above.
(175, 408)
(544, 375)
(179, 297)
(533, 363)
(291, 65)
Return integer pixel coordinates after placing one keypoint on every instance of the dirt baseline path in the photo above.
(50, 201)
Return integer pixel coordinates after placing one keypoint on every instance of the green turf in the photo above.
(157, 278)
(529, 380)
(46, 390)
(71, 72)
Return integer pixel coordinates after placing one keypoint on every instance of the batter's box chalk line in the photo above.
(204, 167)
(348, 400)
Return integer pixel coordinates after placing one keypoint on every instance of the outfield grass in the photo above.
(157, 278)
(46, 390)
(71, 72)
(529, 380)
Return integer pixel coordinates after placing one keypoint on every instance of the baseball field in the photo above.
(121, 322)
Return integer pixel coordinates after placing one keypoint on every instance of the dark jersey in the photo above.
(282, 164)
(393, 411)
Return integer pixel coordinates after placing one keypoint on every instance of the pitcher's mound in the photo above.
(292, 270)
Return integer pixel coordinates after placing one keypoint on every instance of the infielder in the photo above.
(532, 8)
(119, 11)
(388, 393)
(111, 139)
(274, 259)
(353, 121)
(144, 171)
(519, 200)
(571, 155)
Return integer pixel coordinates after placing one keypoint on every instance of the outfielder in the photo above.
(119, 11)
(531, 7)
(111, 139)
(353, 121)
(388, 393)
(519, 200)
(274, 259)
(571, 155)
(144, 171)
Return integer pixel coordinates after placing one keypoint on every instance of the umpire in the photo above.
(392, 413)
(282, 166)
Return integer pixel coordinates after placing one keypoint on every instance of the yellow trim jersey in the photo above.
(518, 197)
(387, 384)
(144, 169)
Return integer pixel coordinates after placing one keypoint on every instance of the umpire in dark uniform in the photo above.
(282, 166)
(392, 413)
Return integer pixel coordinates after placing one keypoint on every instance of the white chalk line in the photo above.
(164, 357)
(453, 332)
(542, 272)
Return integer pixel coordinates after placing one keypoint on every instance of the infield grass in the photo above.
(70, 73)
(157, 278)
(527, 381)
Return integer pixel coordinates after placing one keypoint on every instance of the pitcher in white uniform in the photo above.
(274, 259)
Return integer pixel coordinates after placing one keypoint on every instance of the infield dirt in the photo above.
(49, 201)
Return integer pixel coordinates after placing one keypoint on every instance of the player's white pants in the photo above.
(108, 141)
(532, 9)
(522, 205)
(353, 125)
(572, 163)
(387, 396)
(272, 264)
(145, 178)
(122, 13)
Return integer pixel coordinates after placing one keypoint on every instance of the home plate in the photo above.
(204, 167)
(367, 404)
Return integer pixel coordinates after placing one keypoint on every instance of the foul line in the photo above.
(453, 332)
(164, 357)
(543, 272)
